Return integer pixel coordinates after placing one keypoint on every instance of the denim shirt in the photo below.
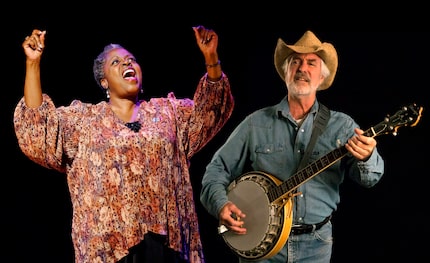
(269, 140)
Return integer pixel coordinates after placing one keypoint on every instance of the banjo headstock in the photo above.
(408, 115)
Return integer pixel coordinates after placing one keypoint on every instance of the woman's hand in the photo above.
(34, 44)
(207, 39)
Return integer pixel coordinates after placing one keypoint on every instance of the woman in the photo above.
(126, 159)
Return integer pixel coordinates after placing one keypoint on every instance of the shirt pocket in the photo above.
(270, 156)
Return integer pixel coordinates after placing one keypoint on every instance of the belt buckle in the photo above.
(299, 229)
(302, 229)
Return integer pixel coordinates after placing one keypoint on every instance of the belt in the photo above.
(307, 228)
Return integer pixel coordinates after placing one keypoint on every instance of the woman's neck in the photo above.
(126, 111)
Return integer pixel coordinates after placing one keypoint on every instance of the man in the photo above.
(273, 142)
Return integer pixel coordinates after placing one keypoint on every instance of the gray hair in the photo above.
(100, 61)
(324, 69)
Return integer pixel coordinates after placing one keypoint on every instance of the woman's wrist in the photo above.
(218, 63)
(214, 79)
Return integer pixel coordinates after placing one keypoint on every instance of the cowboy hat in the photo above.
(308, 43)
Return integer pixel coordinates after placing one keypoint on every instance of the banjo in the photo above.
(267, 202)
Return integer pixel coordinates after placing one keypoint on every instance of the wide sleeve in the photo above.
(46, 134)
(200, 119)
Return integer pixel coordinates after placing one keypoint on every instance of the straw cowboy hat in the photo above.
(308, 43)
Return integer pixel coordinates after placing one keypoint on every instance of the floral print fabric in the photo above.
(124, 183)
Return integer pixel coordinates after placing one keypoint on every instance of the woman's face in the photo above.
(123, 75)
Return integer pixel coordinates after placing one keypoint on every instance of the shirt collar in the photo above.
(283, 108)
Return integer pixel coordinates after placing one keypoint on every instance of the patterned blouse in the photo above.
(125, 183)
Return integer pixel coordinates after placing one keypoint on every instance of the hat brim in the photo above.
(325, 51)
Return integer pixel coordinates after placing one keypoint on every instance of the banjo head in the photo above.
(264, 221)
(247, 196)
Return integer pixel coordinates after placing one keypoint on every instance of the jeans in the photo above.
(315, 247)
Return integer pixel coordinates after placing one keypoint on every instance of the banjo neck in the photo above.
(286, 188)
(406, 116)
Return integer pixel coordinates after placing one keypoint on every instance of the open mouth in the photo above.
(129, 73)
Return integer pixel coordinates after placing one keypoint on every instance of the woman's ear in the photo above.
(104, 83)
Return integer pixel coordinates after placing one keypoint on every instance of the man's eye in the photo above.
(115, 62)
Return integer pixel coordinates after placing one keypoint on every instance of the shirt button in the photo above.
(302, 130)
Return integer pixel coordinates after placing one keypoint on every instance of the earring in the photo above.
(141, 90)
(107, 94)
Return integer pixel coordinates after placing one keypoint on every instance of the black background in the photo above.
(380, 70)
